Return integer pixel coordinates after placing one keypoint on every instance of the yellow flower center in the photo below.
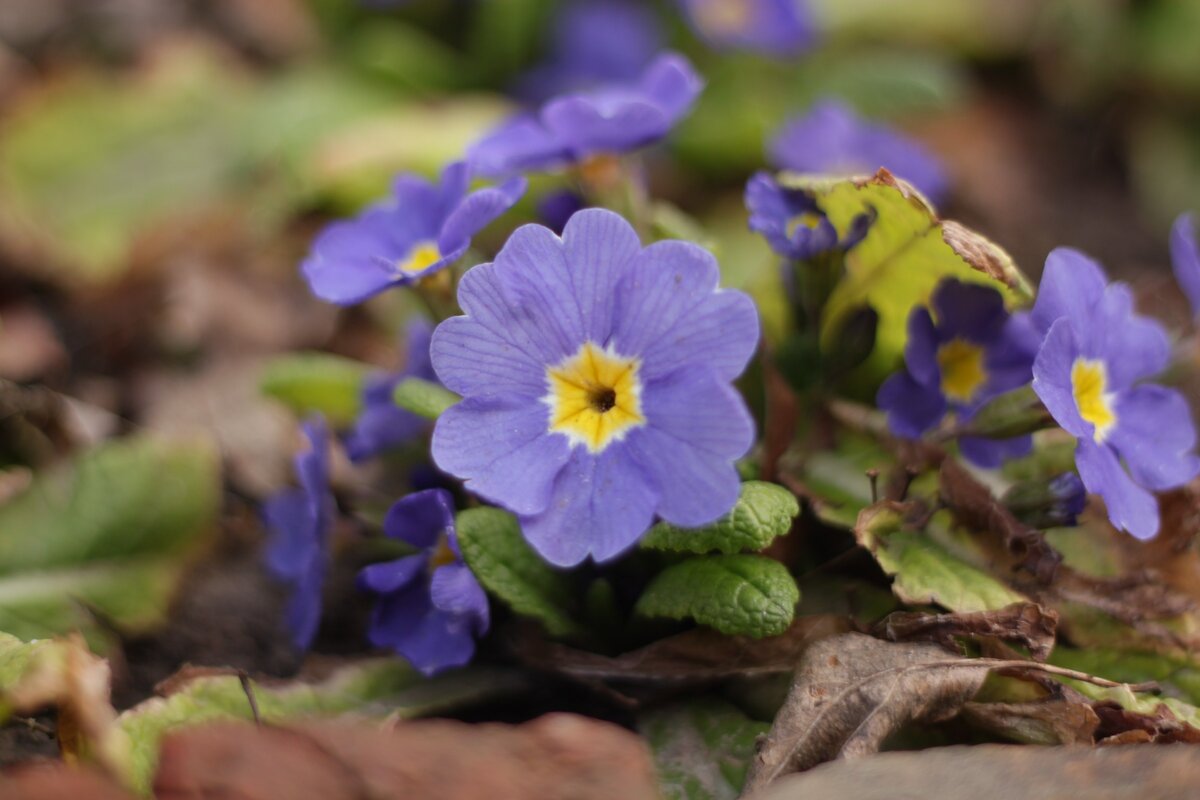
(419, 257)
(718, 17)
(807, 219)
(1088, 382)
(442, 554)
(963, 373)
(595, 397)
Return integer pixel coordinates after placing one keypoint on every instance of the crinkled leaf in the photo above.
(924, 568)
(851, 691)
(492, 546)
(317, 382)
(1026, 624)
(423, 398)
(109, 530)
(746, 595)
(375, 688)
(763, 512)
(906, 253)
(701, 748)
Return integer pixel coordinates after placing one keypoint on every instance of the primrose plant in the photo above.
(588, 427)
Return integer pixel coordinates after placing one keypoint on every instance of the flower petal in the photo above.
(920, 349)
(1072, 285)
(430, 639)
(589, 124)
(293, 542)
(502, 448)
(382, 425)
(455, 590)
(912, 408)
(599, 247)
(390, 576)
(1132, 346)
(476, 211)
(520, 143)
(697, 426)
(472, 360)
(602, 505)
(1185, 258)
(672, 83)
(1130, 507)
(1052, 378)
(969, 310)
(672, 315)
(1155, 435)
(992, 453)
(420, 518)
(303, 612)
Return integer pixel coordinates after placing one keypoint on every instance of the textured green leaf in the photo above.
(906, 253)
(317, 382)
(109, 530)
(492, 546)
(763, 512)
(701, 748)
(375, 688)
(925, 569)
(746, 595)
(423, 398)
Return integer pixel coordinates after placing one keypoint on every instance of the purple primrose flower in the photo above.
(431, 608)
(300, 521)
(971, 353)
(831, 138)
(1095, 351)
(1185, 258)
(595, 376)
(382, 425)
(610, 120)
(421, 229)
(777, 27)
(595, 42)
(791, 222)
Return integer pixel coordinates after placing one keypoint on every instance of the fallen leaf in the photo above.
(701, 748)
(1022, 623)
(56, 781)
(851, 691)
(1065, 719)
(555, 756)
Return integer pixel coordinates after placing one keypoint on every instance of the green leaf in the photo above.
(763, 512)
(375, 688)
(838, 478)
(925, 568)
(745, 595)
(317, 382)
(111, 531)
(905, 254)
(701, 748)
(423, 398)
(494, 549)
(1180, 676)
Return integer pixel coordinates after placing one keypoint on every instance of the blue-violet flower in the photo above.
(300, 521)
(791, 222)
(382, 425)
(421, 229)
(610, 120)
(1095, 351)
(776, 27)
(831, 138)
(431, 608)
(1185, 258)
(595, 377)
(971, 353)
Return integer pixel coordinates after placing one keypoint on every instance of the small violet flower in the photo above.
(595, 376)
(776, 27)
(300, 521)
(1185, 258)
(595, 42)
(610, 120)
(1095, 351)
(421, 229)
(831, 138)
(791, 222)
(971, 353)
(382, 425)
(431, 608)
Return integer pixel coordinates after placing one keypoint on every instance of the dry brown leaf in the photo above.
(1022, 623)
(851, 692)
(1067, 719)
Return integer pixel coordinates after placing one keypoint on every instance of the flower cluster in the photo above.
(595, 376)
(792, 223)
